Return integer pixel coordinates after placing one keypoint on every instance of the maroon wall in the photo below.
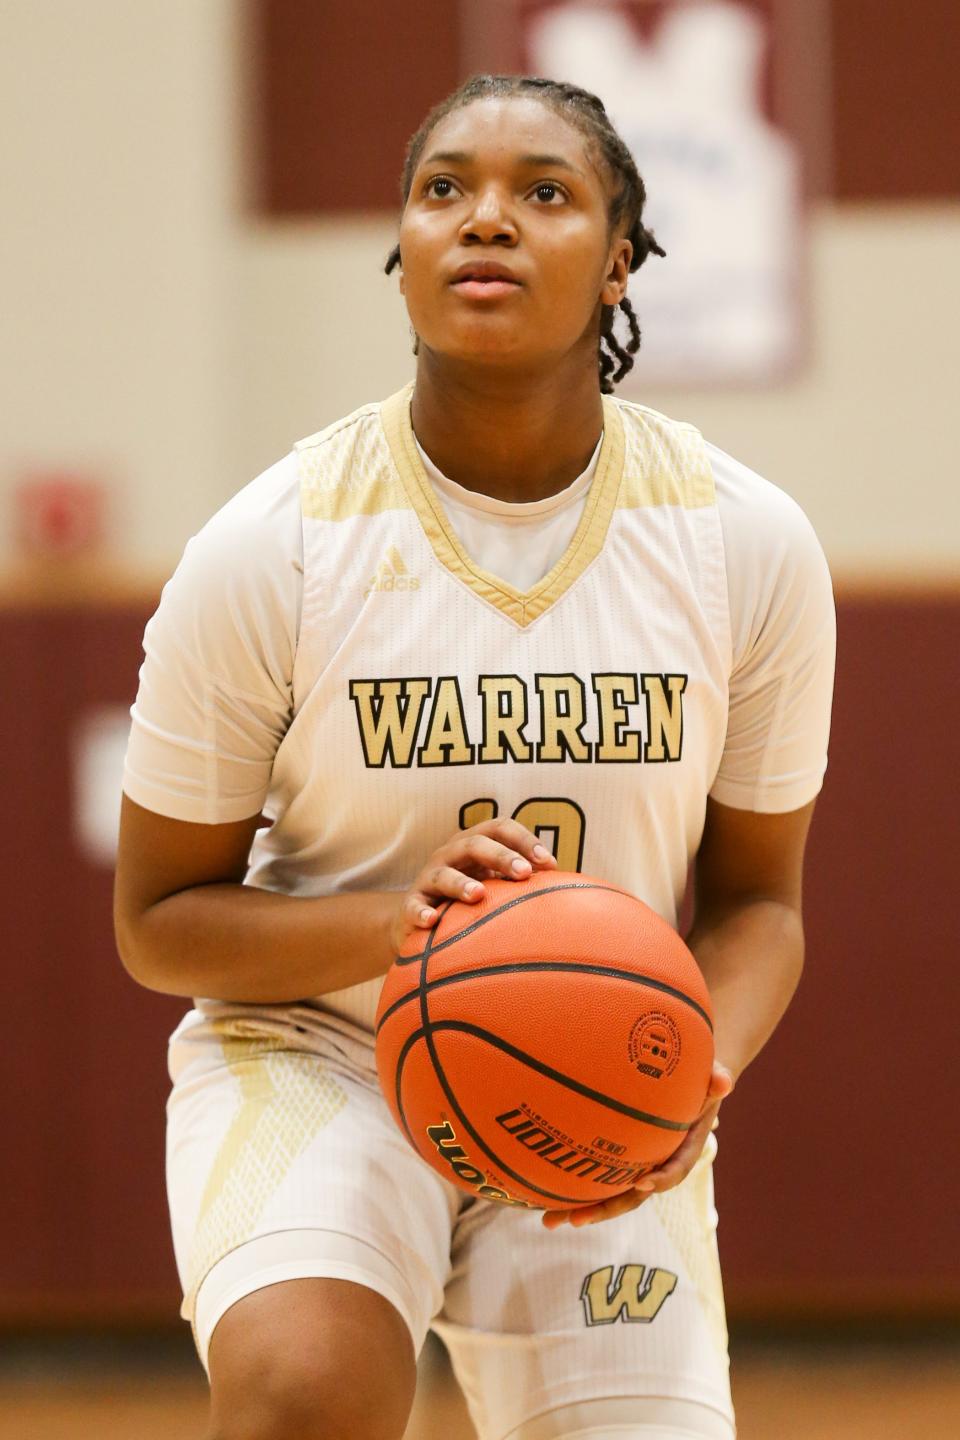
(896, 107)
(336, 92)
(836, 1167)
(835, 1174)
(82, 1210)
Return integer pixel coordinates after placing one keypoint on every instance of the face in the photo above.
(477, 196)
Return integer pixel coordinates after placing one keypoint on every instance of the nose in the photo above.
(490, 219)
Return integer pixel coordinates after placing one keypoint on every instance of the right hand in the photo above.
(457, 870)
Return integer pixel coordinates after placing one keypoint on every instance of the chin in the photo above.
(489, 349)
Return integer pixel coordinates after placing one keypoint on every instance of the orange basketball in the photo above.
(548, 1045)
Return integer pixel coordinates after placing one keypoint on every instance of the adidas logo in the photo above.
(392, 574)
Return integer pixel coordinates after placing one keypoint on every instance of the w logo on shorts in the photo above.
(636, 1294)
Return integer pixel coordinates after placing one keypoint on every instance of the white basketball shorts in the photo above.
(283, 1162)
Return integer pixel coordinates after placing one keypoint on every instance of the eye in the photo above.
(437, 180)
(550, 185)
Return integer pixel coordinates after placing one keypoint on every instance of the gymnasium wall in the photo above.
(167, 336)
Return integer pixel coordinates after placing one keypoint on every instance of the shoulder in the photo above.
(778, 579)
(758, 518)
(259, 514)
(254, 536)
(247, 559)
(239, 578)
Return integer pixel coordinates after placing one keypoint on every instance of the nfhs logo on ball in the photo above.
(655, 1045)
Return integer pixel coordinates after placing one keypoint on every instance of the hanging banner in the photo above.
(684, 82)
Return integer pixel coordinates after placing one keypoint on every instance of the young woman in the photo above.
(500, 566)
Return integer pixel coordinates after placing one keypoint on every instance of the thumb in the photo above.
(721, 1082)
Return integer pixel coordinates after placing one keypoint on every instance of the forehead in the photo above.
(501, 129)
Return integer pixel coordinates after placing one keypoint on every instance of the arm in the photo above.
(747, 933)
(187, 925)
(747, 937)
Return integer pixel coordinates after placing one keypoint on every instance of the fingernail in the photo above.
(519, 865)
(540, 852)
(644, 1185)
(471, 888)
(426, 914)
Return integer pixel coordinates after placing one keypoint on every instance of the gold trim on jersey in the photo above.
(651, 460)
(366, 484)
(285, 1098)
(522, 607)
(673, 465)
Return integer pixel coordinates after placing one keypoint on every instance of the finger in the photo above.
(670, 1175)
(522, 840)
(416, 913)
(480, 852)
(707, 1115)
(591, 1214)
(443, 882)
(678, 1165)
(709, 1111)
(721, 1082)
(607, 1209)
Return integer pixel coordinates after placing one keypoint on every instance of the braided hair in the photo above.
(587, 113)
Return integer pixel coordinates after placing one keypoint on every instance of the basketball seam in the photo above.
(408, 1045)
(557, 1075)
(485, 919)
(554, 967)
(401, 1061)
(421, 1033)
(448, 1091)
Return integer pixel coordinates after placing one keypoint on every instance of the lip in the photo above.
(486, 289)
(483, 271)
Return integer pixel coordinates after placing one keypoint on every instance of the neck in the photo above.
(499, 437)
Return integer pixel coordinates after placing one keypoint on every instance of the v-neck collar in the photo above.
(520, 606)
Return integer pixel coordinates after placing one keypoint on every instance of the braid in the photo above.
(587, 113)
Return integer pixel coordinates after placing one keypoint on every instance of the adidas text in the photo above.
(392, 574)
(393, 582)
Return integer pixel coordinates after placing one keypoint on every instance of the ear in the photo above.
(618, 273)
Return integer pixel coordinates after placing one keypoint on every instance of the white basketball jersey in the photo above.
(430, 695)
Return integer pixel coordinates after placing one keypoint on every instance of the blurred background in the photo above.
(199, 198)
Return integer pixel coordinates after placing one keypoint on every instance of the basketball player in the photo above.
(497, 622)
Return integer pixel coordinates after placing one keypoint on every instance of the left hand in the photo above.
(674, 1169)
